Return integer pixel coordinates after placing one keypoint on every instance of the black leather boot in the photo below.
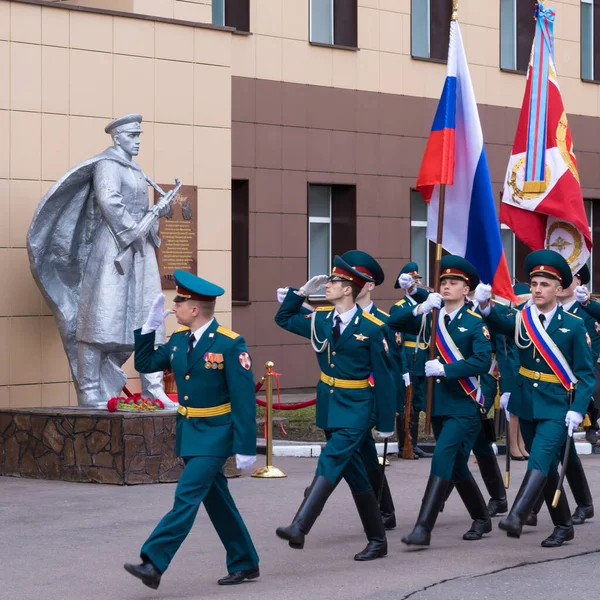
(386, 507)
(368, 510)
(434, 496)
(561, 516)
(318, 493)
(492, 478)
(528, 493)
(531, 520)
(472, 498)
(414, 434)
(147, 572)
(447, 495)
(581, 491)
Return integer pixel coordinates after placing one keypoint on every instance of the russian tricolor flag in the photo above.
(455, 156)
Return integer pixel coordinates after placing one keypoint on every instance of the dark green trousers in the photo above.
(454, 438)
(419, 383)
(202, 481)
(341, 458)
(368, 453)
(544, 439)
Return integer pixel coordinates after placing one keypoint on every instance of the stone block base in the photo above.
(95, 446)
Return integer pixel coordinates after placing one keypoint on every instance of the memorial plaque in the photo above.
(178, 232)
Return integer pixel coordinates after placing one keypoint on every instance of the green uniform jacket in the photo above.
(467, 332)
(543, 400)
(201, 386)
(359, 352)
(592, 308)
(591, 324)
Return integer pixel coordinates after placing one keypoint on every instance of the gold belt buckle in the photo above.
(183, 411)
(537, 375)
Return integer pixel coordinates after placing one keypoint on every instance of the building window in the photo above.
(517, 29)
(331, 225)
(590, 40)
(334, 22)
(419, 244)
(430, 29)
(508, 243)
(232, 13)
(240, 250)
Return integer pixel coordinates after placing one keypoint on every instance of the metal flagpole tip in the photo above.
(454, 10)
(269, 472)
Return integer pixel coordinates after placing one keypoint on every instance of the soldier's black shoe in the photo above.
(531, 520)
(478, 529)
(435, 494)
(420, 453)
(147, 572)
(389, 520)
(582, 514)
(497, 507)
(560, 535)
(368, 510)
(591, 435)
(470, 494)
(311, 507)
(530, 490)
(239, 576)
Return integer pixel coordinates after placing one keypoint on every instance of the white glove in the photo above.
(573, 420)
(406, 281)
(243, 462)
(157, 315)
(483, 292)
(434, 300)
(581, 294)
(281, 294)
(406, 379)
(313, 286)
(434, 368)
(504, 398)
(384, 435)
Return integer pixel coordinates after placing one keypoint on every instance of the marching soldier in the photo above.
(415, 356)
(216, 418)
(350, 346)
(555, 355)
(464, 353)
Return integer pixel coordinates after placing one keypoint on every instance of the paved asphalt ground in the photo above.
(65, 541)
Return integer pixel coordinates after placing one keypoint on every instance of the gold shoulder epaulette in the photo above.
(373, 319)
(182, 328)
(227, 332)
(474, 313)
(383, 312)
(572, 315)
(400, 302)
(324, 308)
(495, 301)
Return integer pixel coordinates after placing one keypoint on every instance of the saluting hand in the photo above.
(314, 285)
(581, 294)
(406, 281)
(281, 294)
(157, 315)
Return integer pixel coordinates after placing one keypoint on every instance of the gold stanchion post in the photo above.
(269, 471)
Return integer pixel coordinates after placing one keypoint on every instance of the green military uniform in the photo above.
(455, 415)
(345, 406)
(216, 418)
(541, 402)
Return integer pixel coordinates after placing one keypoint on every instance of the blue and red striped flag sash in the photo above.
(450, 353)
(494, 368)
(547, 348)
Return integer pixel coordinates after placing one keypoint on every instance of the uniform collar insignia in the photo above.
(360, 337)
(564, 330)
(211, 335)
(462, 329)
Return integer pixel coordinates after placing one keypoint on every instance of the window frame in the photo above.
(416, 17)
(423, 269)
(240, 186)
(321, 220)
(513, 20)
(335, 42)
(587, 75)
(220, 7)
(511, 266)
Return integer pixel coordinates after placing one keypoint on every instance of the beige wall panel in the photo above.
(368, 28)
(25, 77)
(146, 156)
(391, 67)
(55, 394)
(55, 366)
(133, 37)
(369, 3)
(4, 350)
(212, 157)
(25, 299)
(55, 27)
(25, 23)
(243, 56)
(568, 22)
(224, 318)
(212, 96)
(55, 146)
(25, 363)
(4, 75)
(4, 211)
(158, 8)
(5, 284)
(579, 98)
(55, 79)
(86, 138)
(174, 92)
(25, 145)
(91, 76)
(173, 42)
(475, 12)
(320, 65)
(4, 143)
(130, 370)
(509, 87)
(294, 19)
(191, 11)
(268, 17)
(345, 70)
(295, 56)
(216, 267)
(72, 395)
(269, 57)
(133, 78)
(122, 5)
(24, 199)
(91, 31)
(479, 76)
(391, 32)
(482, 45)
(568, 60)
(402, 6)
(217, 204)
(4, 20)
(213, 47)
(25, 396)
(174, 153)
(368, 70)
(4, 397)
